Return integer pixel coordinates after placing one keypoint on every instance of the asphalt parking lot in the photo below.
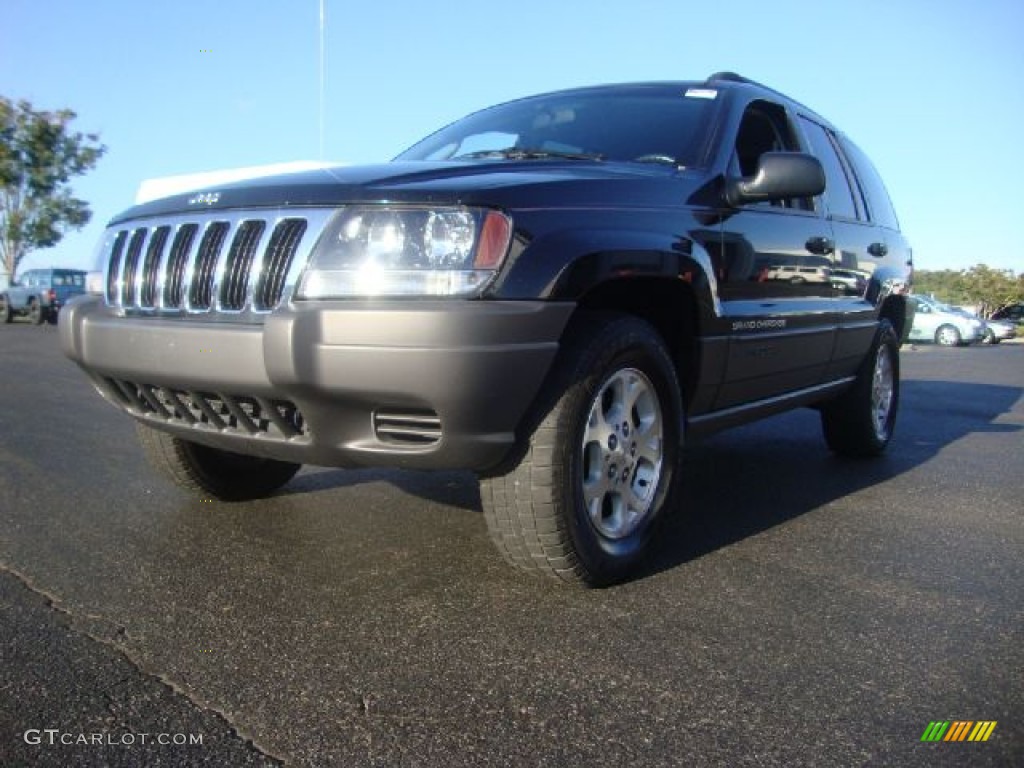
(799, 610)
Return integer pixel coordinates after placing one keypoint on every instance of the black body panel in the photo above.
(731, 256)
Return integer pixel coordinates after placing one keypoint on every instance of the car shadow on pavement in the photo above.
(747, 480)
(740, 483)
(455, 489)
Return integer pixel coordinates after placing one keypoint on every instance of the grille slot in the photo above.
(283, 244)
(131, 264)
(231, 266)
(235, 284)
(115, 267)
(412, 427)
(151, 266)
(233, 413)
(200, 294)
(174, 272)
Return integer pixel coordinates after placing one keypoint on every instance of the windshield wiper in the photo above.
(516, 153)
(655, 158)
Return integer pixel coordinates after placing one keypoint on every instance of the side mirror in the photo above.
(779, 176)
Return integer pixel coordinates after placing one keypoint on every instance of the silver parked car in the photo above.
(934, 321)
(995, 330)
(998, 330)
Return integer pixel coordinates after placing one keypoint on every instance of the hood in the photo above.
(500, 183)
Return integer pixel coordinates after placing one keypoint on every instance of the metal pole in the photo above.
(323, 76)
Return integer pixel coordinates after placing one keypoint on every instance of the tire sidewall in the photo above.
(36, 313)
(602, 557)
(888, 341)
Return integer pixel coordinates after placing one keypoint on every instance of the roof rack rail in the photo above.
(730, 77)
(733, 77)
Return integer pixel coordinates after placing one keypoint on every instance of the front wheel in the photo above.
(860, 422)
(6, 315)
(598, 471)
(948, 336)
(209, 471)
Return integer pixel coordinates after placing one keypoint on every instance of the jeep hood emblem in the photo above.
(209, 198)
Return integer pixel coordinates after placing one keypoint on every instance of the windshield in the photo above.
(655, 124)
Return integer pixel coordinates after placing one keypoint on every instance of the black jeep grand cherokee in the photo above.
(553, 292)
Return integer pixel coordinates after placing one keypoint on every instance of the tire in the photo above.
(36, 313)
(860, 422)
(209, 471)
(989, 337)
(948, 336)
(6, 315)
(582, 501)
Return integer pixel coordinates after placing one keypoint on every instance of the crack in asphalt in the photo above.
(54, 603)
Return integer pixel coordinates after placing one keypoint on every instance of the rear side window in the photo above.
(76, 279)
(879, 205)
(838, 194)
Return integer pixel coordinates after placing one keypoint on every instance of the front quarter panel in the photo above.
(566, 263)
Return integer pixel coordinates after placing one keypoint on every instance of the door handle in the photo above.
(878, 250)
(822, 246)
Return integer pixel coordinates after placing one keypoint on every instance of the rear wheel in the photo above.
(36, 315)
(212, 472)
(860, 422)
(582, 503)
(947, 336)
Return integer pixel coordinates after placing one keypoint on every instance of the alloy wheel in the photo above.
(622, 451)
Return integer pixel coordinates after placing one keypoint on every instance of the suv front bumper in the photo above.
(426, 384)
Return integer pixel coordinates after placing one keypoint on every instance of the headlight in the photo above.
(406, 251)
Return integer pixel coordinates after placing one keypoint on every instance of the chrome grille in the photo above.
(222, 265)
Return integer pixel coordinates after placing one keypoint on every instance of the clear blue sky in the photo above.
(932, 90)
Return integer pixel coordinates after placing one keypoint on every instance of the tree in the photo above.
(39, 154)
(980, 286)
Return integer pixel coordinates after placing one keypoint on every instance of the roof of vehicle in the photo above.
(54, 270)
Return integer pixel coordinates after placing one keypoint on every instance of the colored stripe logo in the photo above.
(958, 730)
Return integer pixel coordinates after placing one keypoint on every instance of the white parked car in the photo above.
(934, 321)
(796, 274)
